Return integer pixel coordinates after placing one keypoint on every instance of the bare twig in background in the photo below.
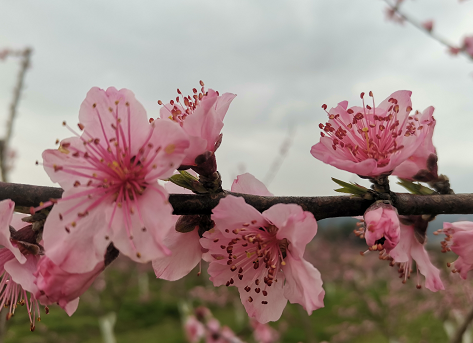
(394, 10)
(283, 150)
(458, 336)
(5, 142)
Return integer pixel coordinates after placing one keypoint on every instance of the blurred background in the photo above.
(283, 59)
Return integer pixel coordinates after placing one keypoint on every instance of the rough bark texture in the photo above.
(321, 207)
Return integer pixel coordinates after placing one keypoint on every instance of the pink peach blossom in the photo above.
(409, 249)
(217, 334)
(468, 45)
(193, 329)
(109, 174)
(186, 251)
(382, 228)
(262, 255)
(16, 269)
(263, 333)
(422, 165)
(369, 140)
(201, 116)
(58, 286)
(428, 25)
(459, 238)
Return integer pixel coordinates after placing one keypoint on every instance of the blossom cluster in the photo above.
(113, 202)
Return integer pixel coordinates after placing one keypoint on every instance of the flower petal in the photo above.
(101, 110)
(263, 313)
(71, 307)
(6, 214)
(431, 273)
(234, 213)
(147, 233)
(248, 184)
(80, 249)
(303, 284)
(186, 253)
(294, 224)
(170, 142)
(23, 274)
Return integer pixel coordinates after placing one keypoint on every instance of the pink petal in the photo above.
(63, 158)
(186, 252)
(463, 266)
(54, 285)
(71, 307)
(366, 167)
(271, 311)
(402, 251)
(403, 98)
(303, 284)
(172, 142)
(248, 184)
(431, 273)
(156, 215)
(297, 226)
(197, 146)
(459, 226)
(22, 274)
(100, 126)
(84, 246)
(234, 213)
(6, 214)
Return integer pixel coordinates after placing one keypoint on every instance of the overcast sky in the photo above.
(283, 59)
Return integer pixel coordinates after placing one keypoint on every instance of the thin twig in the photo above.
(419, 26)
(283, 150)
(322, 207)
(4, 144)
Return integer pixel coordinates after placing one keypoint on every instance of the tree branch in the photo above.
(4, 144)
(322, 207)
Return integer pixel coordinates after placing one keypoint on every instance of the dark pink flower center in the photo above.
(183, 106)
(256, 255)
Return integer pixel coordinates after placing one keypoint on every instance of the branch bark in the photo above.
(322, 207)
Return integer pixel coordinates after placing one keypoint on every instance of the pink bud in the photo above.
(428, 25)
(382, 226)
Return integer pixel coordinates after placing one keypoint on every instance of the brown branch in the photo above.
(322, 207)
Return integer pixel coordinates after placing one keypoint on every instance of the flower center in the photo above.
(256, 255)
(370, 134)
(183, 106)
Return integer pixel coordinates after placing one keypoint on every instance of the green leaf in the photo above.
(181, 181)
(415, 188)
(350, 188)
(188, 181)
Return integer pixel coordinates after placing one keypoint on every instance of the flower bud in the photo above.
(187, 223)
(382, 225)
